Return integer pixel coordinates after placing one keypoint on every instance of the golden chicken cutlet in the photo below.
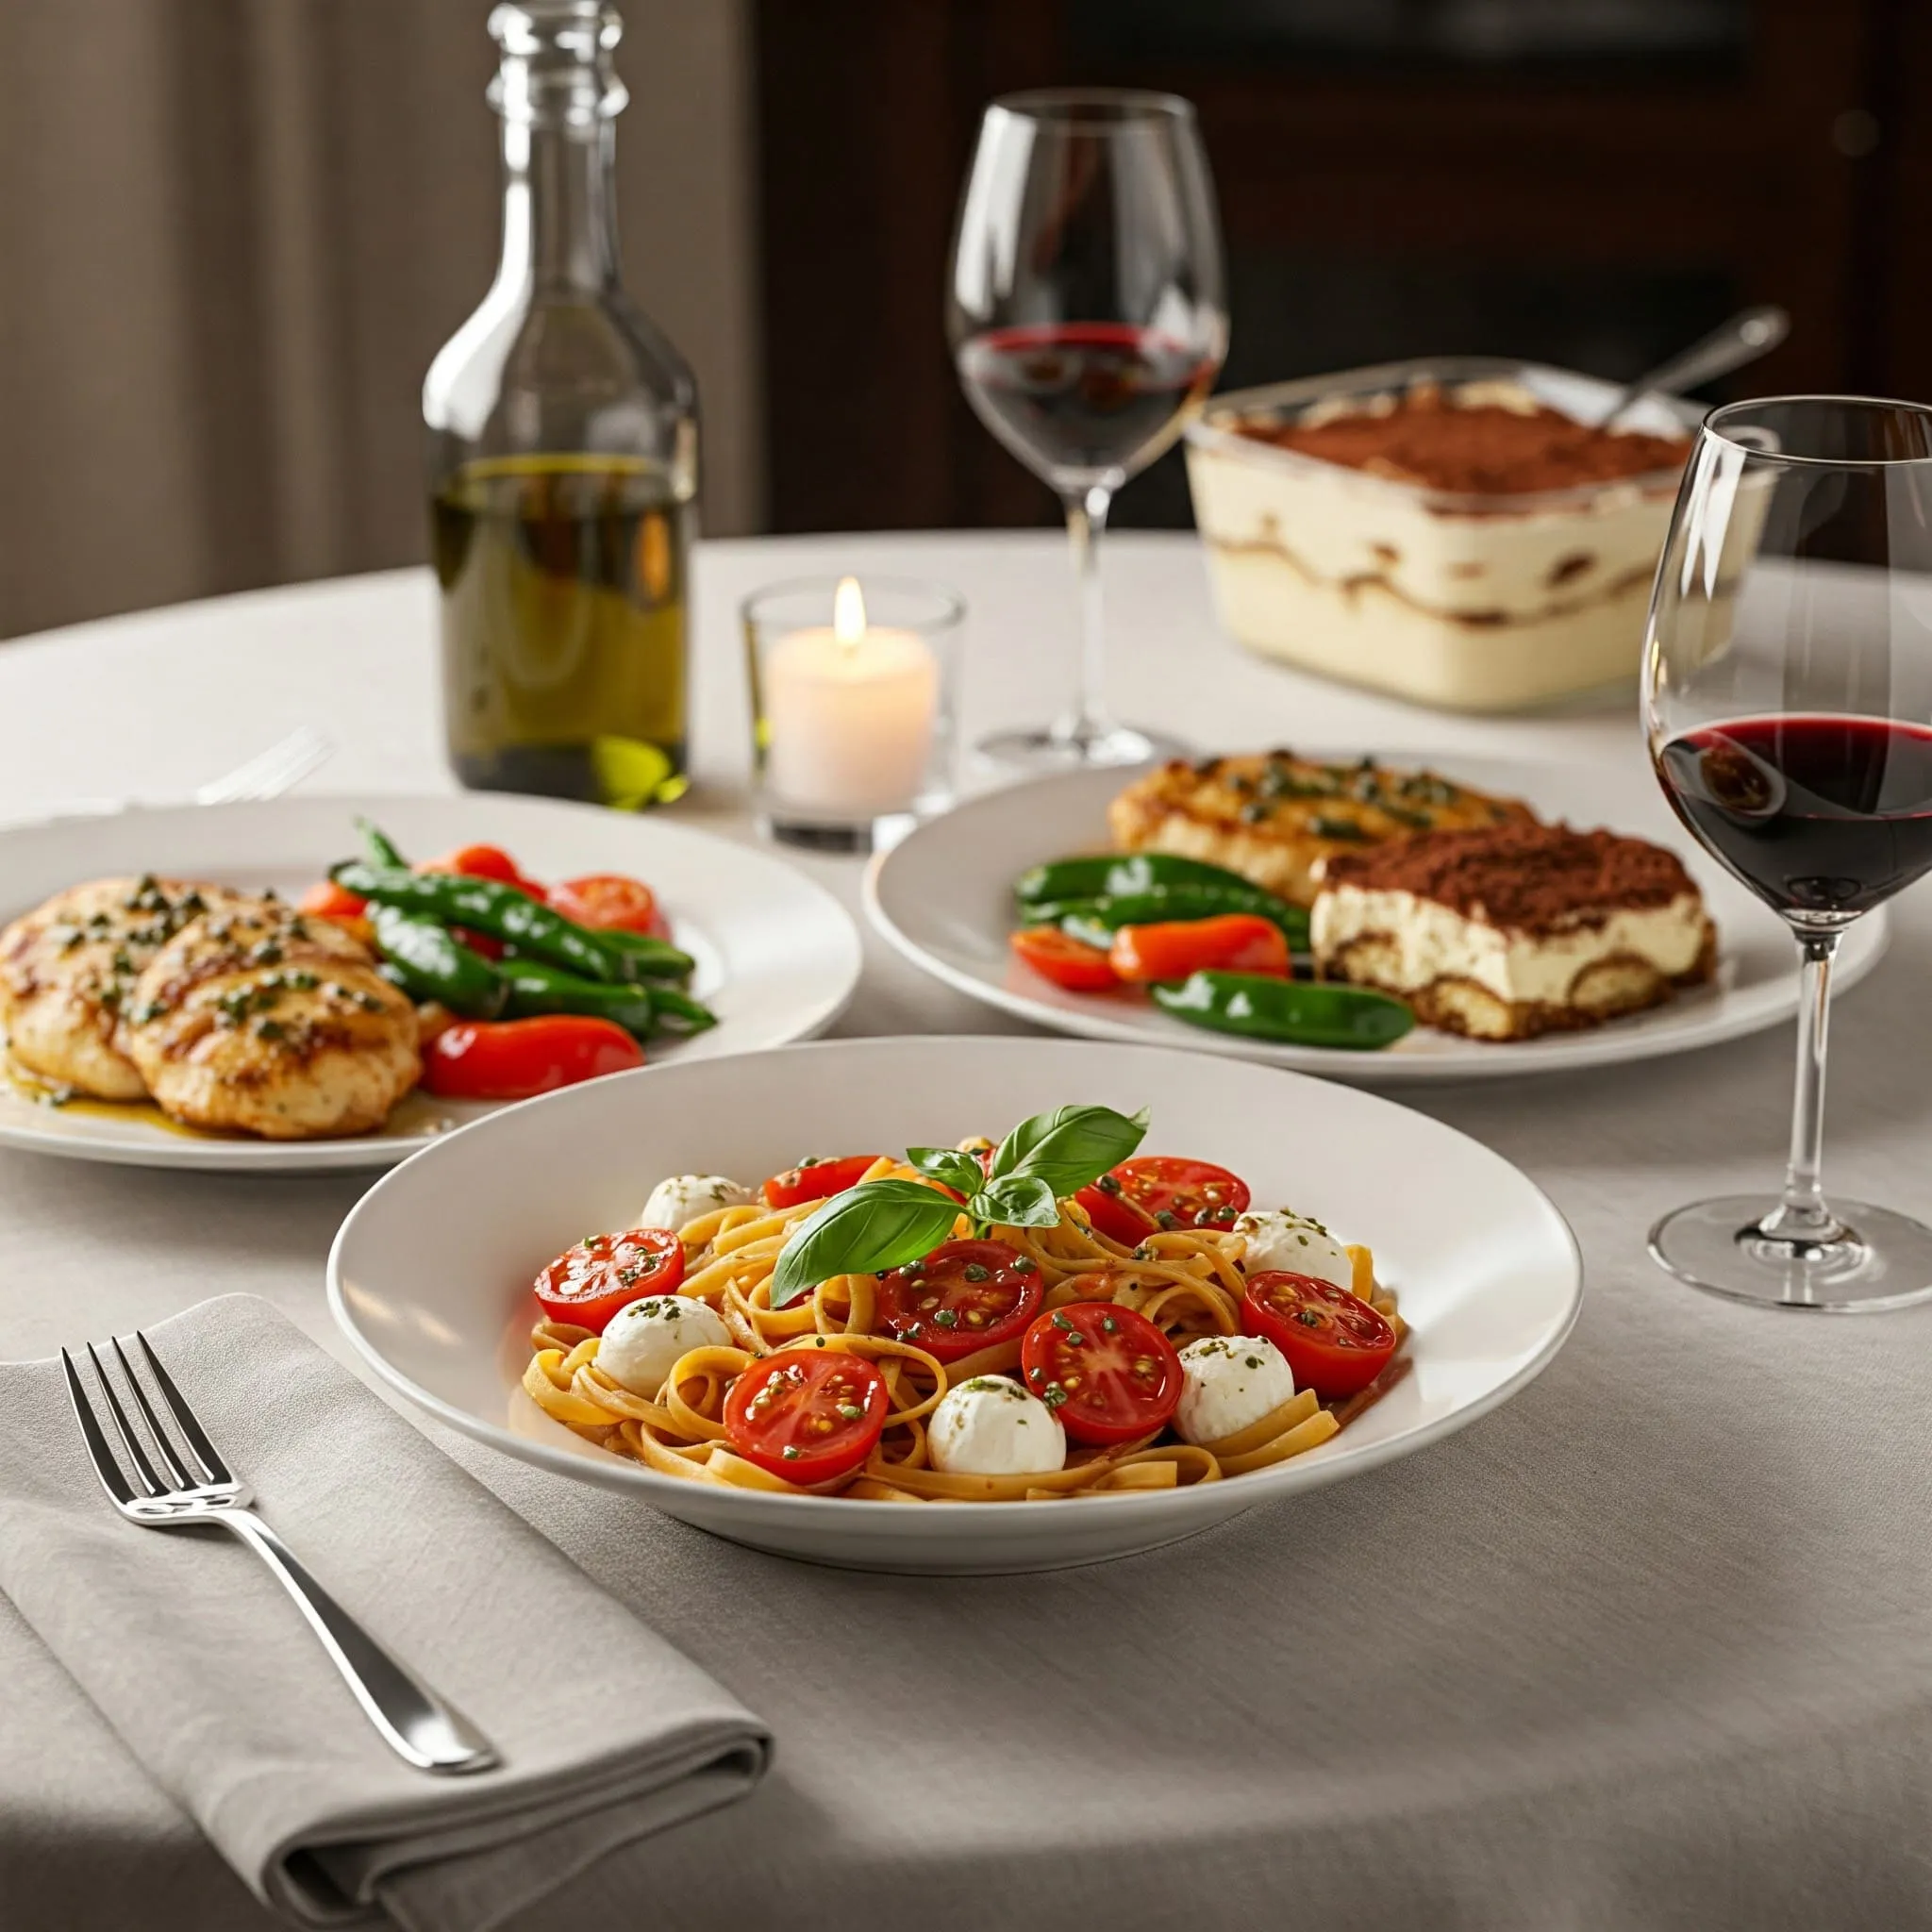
(1273, 817)
(259, 1019)
(68, 967)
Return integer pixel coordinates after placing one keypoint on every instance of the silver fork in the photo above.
(267, 774)
(414, 1721)
(270, 773)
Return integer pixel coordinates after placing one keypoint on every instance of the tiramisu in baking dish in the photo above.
(1515, 929)
(1456, 530)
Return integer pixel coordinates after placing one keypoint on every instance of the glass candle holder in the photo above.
(853, 686)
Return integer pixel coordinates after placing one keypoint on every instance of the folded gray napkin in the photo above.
(189, 1649)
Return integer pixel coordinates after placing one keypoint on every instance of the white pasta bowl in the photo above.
(430, 1274)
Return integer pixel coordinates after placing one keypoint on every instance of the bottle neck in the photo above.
(559, 216)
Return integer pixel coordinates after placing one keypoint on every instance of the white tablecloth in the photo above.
(1649, 1648)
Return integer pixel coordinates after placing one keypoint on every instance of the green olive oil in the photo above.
(565, 626)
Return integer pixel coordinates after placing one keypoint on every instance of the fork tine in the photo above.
(269, 771)
(98, 1453)
(144, 1468)
(183, 1479)
(197, 1436)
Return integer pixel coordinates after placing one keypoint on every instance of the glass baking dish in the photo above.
(1467, 602)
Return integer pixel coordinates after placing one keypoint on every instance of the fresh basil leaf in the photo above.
(876, 1226)
(1070, 1147)
(1018, 1200)
(960, 1171)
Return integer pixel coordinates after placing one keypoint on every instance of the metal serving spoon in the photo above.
(1749, 334)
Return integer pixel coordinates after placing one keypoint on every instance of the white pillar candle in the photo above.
(849, 712)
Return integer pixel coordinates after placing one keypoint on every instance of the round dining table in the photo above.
(1649, 1646)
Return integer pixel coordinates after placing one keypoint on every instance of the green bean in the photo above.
(678, 1012)
(1118, 875)
(1095, 920)
(380, 847)
(431, 963)
(1302, 1012)
(484, 905)
(535, 988)
(649, 958)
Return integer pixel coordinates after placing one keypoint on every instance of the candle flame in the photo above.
(848, 612)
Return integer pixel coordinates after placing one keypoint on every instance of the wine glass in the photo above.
(1788, 702)
(1088, 323)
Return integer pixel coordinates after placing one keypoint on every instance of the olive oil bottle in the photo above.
(562, 458)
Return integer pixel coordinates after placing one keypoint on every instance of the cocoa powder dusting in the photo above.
(1481, 450)
(1530, 878)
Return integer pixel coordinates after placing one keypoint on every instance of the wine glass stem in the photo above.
(1086, 521)
(1802, 1214)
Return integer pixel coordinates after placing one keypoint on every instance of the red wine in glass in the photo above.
(1816, 814)
(1082, 399)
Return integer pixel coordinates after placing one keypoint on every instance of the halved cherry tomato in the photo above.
(1335, 1341)
(807, 1414)
(1109, 1373)
(588, 1283)
(1115, 1216)
(1181, 1193)
(1065, 960)
(483, 862)
(962, 1298)
(327, 900)
(608, 901)
(1230, 943)
(511, 1059)
(813, 1180)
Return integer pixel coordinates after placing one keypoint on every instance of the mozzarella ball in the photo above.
(1231, 1382)
(685, 1196)
(1280, 1238)
(644, 1337)
(992, 1426)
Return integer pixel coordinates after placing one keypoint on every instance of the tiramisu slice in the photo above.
(1512, 930)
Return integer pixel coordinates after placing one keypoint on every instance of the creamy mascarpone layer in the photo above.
(1338, 528)
(1432, 942)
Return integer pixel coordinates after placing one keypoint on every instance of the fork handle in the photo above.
(414, 1721)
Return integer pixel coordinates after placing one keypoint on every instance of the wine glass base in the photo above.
(1879, 1260)
(1052, 748)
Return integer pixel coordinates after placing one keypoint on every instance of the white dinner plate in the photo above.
(944, 897)
(430, 1274)
(777, 956)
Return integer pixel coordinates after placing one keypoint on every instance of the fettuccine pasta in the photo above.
(1153, 1333)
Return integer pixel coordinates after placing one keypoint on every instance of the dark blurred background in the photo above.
(236, 230)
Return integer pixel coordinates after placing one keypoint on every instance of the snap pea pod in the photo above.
(382, 850)
(535, 988)
(1299, 1011)
(484, 905)
(430, 963)
(1118, 875)
(1094, 921)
